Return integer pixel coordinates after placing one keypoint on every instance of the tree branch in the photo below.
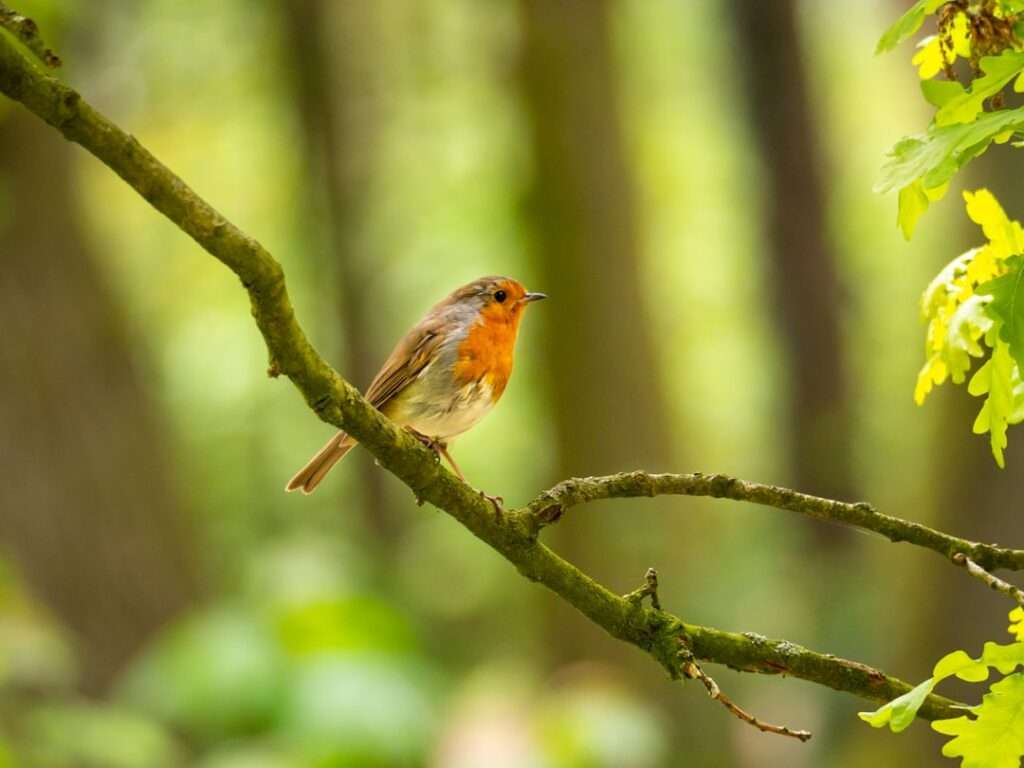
(27, 31)
(549, 506)
(994, 582)
(513, 534)
(693, 671)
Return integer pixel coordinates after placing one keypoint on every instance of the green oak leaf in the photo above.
(901, 711)
(995, 380)
(967, 327)
(921, 166)
(1007, 306)
(935, 156)
(994, 736)
(1003, 658)
(965, 106)
(939, 93)
(913, 203)
(907, 24)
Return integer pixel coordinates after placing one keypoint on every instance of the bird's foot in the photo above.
(434, 445)
(497, 501)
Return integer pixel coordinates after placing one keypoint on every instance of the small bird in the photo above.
(445, 375)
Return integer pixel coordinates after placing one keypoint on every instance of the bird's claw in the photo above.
(497, 501)
(428, 442)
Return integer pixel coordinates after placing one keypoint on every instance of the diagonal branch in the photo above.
(27, 31)
(549, 506)
(514, 534)
(994, 582)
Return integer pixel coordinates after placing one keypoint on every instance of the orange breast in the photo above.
(486, 352)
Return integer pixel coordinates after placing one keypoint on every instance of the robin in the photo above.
(445, 375)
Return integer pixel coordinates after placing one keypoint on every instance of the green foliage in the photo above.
(216, 675)
(907, 25)
(992, 738)
(1007, 306)
(966, 105)
(928, 162)
(920, 166)
(972, 312)
(1016, 627)
(901, 711)
(971, 307)
(997, 381)
(82, 736)
(990, 735)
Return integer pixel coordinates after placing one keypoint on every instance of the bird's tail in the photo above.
(309, 477)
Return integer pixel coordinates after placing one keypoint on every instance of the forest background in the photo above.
(726, 295)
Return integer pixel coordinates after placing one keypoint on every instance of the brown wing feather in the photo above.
(406, 362)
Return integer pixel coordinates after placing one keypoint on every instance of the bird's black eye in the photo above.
(500, 296)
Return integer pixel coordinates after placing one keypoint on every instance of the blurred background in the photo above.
(689, 181)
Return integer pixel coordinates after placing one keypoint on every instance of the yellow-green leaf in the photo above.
(913, 202)
(957, 321)
(994, 380)
(929, 57)
(1016, 627)
(963, 666)
(1005, 235)
(999, 70)
(994, 737)
(1007, 306)
(938, 93)
(907, 24)
(960, 36)
(900, 712)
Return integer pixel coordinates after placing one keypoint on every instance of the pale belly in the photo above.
(445, 416)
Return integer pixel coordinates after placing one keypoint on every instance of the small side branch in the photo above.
(994, 582)
(549, 506)
(27, 32)
(692, 670)
(649, 589)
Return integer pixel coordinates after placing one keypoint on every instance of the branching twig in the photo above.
(999, 585)
(649, 589)
(692, 670)
(553, 503)
(513, 535)
(27, 31)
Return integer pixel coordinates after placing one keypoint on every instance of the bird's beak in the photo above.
(533, 296)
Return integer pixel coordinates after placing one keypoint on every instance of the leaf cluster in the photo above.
(989, 735)
(971, 306)
(974, 310)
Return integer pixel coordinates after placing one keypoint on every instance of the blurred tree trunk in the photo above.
(330, 45)
(801, 264)
(89, 511)
(606, 401)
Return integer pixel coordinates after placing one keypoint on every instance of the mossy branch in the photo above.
(514, 533)
(549, 506)
(27, 32)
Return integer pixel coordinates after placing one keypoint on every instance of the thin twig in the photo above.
(999, 585)
(692, 670)
(27, 32)
(649, 589)
(550, 505)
